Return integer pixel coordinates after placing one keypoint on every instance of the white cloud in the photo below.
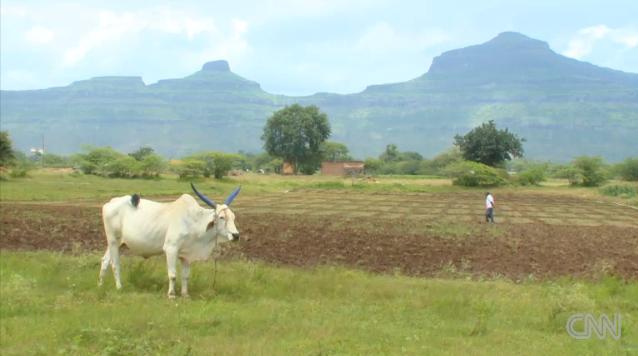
(114, 26)
(583, 43)
(13, 11)
(39, 35)
(23, 78)
(382, 37)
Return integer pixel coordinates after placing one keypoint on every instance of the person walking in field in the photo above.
(489, 208)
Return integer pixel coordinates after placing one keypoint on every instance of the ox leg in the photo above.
(106, 260)
(186, 271)
(114, 249)
(171, 264)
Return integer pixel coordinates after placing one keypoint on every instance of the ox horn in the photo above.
(232, 196)
(204, 198)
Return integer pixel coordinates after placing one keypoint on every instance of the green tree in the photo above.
(436, 165)
(390, 154)
(295, 134)
(334, 151)
(216, 164)
(141, 153)
(485, 144)
(628, 169)
(410, 156)
(6, 149)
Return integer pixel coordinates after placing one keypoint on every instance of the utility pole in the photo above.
(42, 155)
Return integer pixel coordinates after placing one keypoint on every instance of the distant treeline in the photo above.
(145, 163)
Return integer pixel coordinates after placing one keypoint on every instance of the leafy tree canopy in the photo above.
(629, 169)
(485, 144)
(141, 153)
(335, 151)
(390, 154)
(6, 149)
(295, 134)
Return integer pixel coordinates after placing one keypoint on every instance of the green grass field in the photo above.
(50, 303)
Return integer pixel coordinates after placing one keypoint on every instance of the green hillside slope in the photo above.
(563, 107)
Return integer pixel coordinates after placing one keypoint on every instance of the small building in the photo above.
(344, 168)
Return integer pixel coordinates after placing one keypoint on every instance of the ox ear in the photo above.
(232, 196)
(204, 198)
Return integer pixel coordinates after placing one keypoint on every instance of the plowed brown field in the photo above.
(414, 234)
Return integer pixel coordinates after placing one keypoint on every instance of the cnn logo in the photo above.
(601, 326)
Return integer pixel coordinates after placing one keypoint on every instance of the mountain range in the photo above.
(562, 107)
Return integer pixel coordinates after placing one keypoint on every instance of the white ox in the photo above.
(181, 229)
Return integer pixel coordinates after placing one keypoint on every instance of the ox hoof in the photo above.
(171, 296)
(187, 296)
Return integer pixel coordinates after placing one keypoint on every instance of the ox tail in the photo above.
(135, 200)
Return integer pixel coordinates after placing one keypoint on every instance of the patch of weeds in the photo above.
(484, 311)
(450, 229)
(108, 341)
(495, 230)
(603, 268)
(143, 277)
(326, 185)
(565, 300)
(450, 270)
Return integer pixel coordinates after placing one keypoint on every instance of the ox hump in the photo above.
(135, 200)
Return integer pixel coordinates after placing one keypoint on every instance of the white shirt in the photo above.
(489, 201)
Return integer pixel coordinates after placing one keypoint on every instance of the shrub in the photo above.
(206, 164)
(55, 161)
(21, 166)
(267, 162)
(591, 170)
(151, 165)
(409, 167)
(474, 174)
(19, 171)
(189, 168)
(571, 173)
(122, 167)
(97, 160)
(532, 175)
(616, 190)
(437, 165)
(373, 165)
(107, 162)
(223, 163)
(628, 170)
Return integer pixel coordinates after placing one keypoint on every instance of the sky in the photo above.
(291, 47)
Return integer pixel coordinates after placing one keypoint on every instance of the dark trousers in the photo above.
(489, 215)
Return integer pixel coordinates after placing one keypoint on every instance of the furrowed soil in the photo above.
(414, 234)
